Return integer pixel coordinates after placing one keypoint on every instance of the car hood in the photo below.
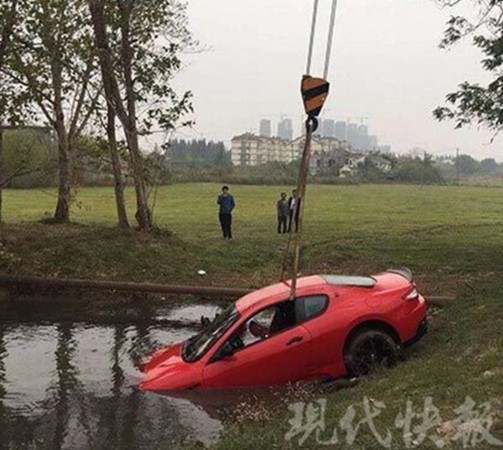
(167, 370)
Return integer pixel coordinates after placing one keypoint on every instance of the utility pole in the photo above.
(457, 165)
(423, 172)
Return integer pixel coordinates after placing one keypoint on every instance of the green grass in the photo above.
(437, 231)
(451, 237)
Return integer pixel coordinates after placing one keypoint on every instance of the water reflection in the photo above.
(71, 384)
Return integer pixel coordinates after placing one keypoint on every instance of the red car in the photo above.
(337, 326)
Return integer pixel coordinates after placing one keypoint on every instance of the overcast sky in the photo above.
(386, 67)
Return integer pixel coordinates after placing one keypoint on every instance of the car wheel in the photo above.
(368, 350)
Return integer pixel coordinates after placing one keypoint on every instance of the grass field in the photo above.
(451, 237)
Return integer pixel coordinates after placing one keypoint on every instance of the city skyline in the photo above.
(387, 66)
(357, 134)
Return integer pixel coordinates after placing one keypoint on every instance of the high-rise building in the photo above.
(265, 128)
(328, 128)
(285, 129)
(341, 130)
(373, 142)
(363, 140)
(352, 134)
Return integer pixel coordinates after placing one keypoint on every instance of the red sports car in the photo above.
(336, 326)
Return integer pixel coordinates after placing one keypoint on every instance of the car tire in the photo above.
(369, 350)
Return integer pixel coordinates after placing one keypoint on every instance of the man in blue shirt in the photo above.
(226, 202)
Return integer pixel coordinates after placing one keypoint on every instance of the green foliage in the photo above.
(465, 164)
(52, 63)
(417, 170)
(369, 171)
(489, 166)
(156, 33)
(197, 154)
(474, 102)
(29, 159)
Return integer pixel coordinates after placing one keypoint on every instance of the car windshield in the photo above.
(199, 344)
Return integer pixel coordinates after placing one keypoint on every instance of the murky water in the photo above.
(68, 381)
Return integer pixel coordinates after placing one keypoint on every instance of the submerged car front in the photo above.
(180, 366)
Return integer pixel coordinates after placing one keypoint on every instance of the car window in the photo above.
(274, 319)
(264, 324)
(198, 345)
(311, 306)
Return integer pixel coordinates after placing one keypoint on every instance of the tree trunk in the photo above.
(127, 116)
(1, 173)
(5, 37)
(116, 166)
(62, 213)
(142, 215)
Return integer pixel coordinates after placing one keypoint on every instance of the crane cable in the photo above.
(314, 93)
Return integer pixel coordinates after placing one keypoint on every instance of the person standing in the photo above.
(226, 202)
(282, 209)
(293, 211)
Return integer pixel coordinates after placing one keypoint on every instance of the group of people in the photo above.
(287, 210)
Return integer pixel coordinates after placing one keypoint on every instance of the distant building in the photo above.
(285, 129)
(384, 148)
(265, 128)
(341, 131)
(252, 150)
(328, 155)
(363, 138)
(328, 128)
(373, 143)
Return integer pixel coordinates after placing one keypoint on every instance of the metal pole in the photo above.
(330, 39)
(311, 40)
(58, 283)
(457, 165)
(301, 201)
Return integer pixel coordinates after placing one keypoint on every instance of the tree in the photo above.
(29, 159)
(138, 44)
(418, 170)
(8, 16)
(473, 102)
(467, 165)
(52, 66)
(489, 165)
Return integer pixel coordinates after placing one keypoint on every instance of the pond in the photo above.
(68, 379)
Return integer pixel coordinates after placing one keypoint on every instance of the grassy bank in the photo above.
(451, 237)
(442, 233)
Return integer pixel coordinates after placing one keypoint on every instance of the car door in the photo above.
(280, 358)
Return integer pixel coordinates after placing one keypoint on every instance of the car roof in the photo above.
(269, 294)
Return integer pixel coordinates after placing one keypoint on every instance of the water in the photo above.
(68, 379)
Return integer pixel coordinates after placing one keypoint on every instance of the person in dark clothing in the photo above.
(282, 208)
(293, 211)
(226, 202)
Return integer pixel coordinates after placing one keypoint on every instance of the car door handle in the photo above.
(294, 340)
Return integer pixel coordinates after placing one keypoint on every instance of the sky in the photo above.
(387, 70)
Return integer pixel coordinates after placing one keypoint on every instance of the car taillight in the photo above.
(412, 295)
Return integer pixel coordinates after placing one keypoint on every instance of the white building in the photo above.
(251, 150)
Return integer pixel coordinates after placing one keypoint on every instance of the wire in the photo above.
(311, 40)
(330, 39)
